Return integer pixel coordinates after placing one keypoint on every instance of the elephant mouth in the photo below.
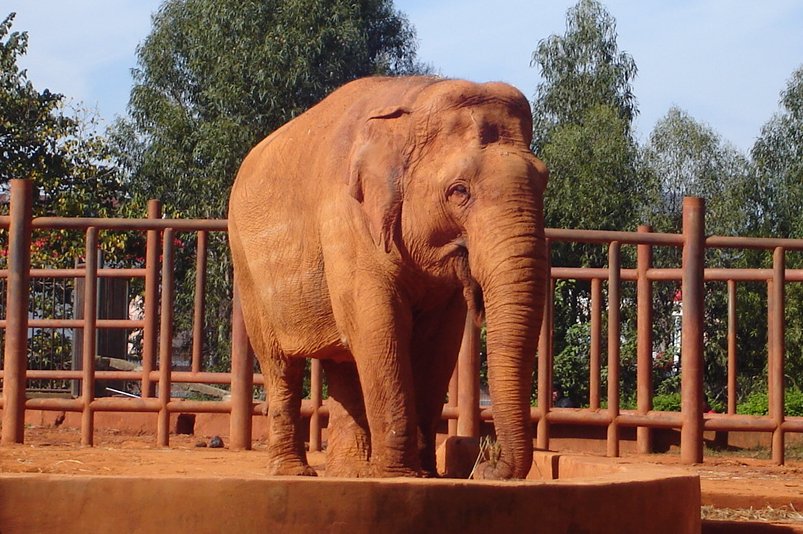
(472, 291)
(456, 251)
(458, 247)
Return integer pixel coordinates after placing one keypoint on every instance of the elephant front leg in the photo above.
(286, 452)
(382, 354)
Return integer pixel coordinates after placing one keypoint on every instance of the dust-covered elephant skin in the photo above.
(361, 232)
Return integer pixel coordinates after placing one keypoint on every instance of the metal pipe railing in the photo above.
(463, 409)
(614, 332)
(691, 356)
(644, 319)
(16, 354)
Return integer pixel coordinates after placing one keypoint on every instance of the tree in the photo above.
(70, 167)
(582, 69)
(778, 158)
(777, 194)
(587, 159)
(68, 163)
(216, 76)
(582, 117)
(687, 158)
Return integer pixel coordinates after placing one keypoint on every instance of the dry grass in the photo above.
(769, 515)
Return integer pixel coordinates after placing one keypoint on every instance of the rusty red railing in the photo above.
(463, 408)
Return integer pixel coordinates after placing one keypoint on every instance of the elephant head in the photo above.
(446, 178)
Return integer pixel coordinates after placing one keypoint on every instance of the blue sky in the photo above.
(723, 61)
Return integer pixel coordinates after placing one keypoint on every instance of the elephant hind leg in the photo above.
(286, 452)
(349, 445)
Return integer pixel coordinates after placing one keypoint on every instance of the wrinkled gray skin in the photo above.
(361, 232)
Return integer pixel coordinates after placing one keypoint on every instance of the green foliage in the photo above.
(776, 196)
(586, 159)
(216, 76)
(687, 158)
(778, 157)
(69, 164)
(793, 402)
(757, 403)
(582, 69)
(570, 368)
(666, 402)
(754, 404)
(582, 129)
(582, 122)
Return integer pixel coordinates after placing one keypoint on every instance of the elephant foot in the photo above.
(348, 470)
(390, 472)
(280, 468)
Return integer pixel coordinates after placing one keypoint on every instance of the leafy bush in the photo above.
(794, 402)
(570, 369)
(758, 404)
(666, 402)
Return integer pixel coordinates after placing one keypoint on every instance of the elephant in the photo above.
(362, 233)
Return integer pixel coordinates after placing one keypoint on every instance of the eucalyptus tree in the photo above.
(778, 195)
(688, 158)
(582, 125)
(580, 70)
(778, 157)
(582, 118)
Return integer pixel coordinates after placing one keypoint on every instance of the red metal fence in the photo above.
(463, 409)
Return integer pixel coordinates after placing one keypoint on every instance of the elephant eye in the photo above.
(458, 193)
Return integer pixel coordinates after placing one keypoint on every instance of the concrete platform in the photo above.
(571, 494)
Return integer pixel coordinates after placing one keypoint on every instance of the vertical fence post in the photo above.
(777, 356)
(468, 394)
(15, 362)
(89, 336)
(242, 379)
(594, 363)
(732, 328)
(199, 310)
(614, 332)
(691, 433)
(165, 341)
(315, 397)
(644, 341)
(151, 300)
(452, 403)
(545, 359)
(770, 343)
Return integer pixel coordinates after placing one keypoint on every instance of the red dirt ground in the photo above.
(726, 482)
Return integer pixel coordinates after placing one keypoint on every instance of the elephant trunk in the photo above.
(511, 274)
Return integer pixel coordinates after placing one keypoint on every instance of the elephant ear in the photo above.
(379, 160)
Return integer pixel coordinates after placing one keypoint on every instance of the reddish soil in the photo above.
(58, 451)
(727, 482)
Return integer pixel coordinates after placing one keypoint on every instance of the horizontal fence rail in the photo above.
(156, 377)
